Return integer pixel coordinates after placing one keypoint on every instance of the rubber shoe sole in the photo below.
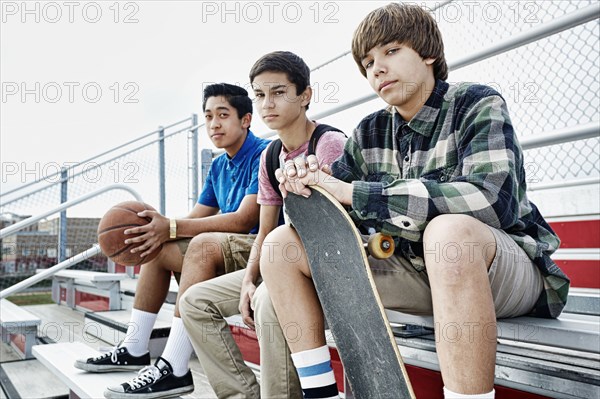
(106, 368)
(171, 393)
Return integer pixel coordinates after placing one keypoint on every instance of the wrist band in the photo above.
(172, 228)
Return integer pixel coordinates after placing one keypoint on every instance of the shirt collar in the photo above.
(427, 115)
(248, 145)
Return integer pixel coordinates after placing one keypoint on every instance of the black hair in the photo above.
(236, 96)
(287, 62)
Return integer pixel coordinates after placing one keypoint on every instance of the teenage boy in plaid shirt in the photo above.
(441, 170)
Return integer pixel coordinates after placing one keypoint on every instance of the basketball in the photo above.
(112, 239)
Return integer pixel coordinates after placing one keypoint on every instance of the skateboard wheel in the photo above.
(381, 246)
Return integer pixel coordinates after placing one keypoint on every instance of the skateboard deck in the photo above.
(351, 304)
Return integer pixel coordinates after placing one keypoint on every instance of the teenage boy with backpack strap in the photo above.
(281, 83)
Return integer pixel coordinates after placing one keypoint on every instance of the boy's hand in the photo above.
(300, 173)
(245, 308)
(152, 235)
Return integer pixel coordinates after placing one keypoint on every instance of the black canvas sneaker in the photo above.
(157, 381)
(118, 359)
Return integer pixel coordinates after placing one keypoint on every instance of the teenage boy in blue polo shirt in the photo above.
(212, 240)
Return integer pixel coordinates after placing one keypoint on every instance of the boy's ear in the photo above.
(429, 61)
(306, 96)
(246, 119)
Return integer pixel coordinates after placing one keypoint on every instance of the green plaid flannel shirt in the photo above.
(459, 155)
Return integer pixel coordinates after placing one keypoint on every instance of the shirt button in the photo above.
(363, 213)
(442, 178)
(406, 158)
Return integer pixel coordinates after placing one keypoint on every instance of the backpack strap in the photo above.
(272, 160)
(317, 133)
(273, 151)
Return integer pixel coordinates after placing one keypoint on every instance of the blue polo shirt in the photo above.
(229, 180)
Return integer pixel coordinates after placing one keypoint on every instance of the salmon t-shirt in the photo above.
(329, 147)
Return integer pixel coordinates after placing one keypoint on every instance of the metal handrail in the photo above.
(557, 25)
(573, 133)
(121, 155)
(88, 253)
(36, 278)
(84, 162)
(564, 183)
(34, 219)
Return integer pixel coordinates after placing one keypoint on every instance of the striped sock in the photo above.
(315, 372)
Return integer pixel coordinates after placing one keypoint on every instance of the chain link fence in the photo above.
(549, 84)
(136, 165)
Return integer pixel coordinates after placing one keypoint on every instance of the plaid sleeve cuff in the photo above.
(367, 200)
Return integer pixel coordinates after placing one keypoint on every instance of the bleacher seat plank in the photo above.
(11, 313)
(100, 283)
(94, 277)
(17, 380)
(15, 320)
(570, 331)
(59, 358)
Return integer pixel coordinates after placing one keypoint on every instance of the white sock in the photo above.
(448, 394)
(139, 331)
(178, 349)
(315, 372)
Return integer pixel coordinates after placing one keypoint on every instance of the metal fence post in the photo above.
(62, 228)
(206, 157)
(193, 162)
(161, 170)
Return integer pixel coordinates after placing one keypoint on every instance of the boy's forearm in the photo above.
(227, 222)
(253, 267)
(341, 190)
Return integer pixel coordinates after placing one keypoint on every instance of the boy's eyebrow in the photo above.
(271, 88)
(221, 108)
(277, 87)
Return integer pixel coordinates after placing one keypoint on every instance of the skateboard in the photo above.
(351, 304)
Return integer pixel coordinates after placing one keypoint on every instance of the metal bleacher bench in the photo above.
(17, 321)
(97, 283)
(561, 355)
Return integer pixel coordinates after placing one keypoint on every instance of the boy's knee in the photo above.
(192, 304)
(205, 245)
(457, 242)
(275, 247)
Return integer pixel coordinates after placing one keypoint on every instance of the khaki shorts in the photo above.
(515, 280)
(235, 248)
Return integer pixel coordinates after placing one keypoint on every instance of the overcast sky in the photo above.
(80, 77)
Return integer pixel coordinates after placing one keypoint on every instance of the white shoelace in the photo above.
(112, 352)
(147, 375)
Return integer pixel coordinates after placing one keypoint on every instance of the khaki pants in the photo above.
(203, 308)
